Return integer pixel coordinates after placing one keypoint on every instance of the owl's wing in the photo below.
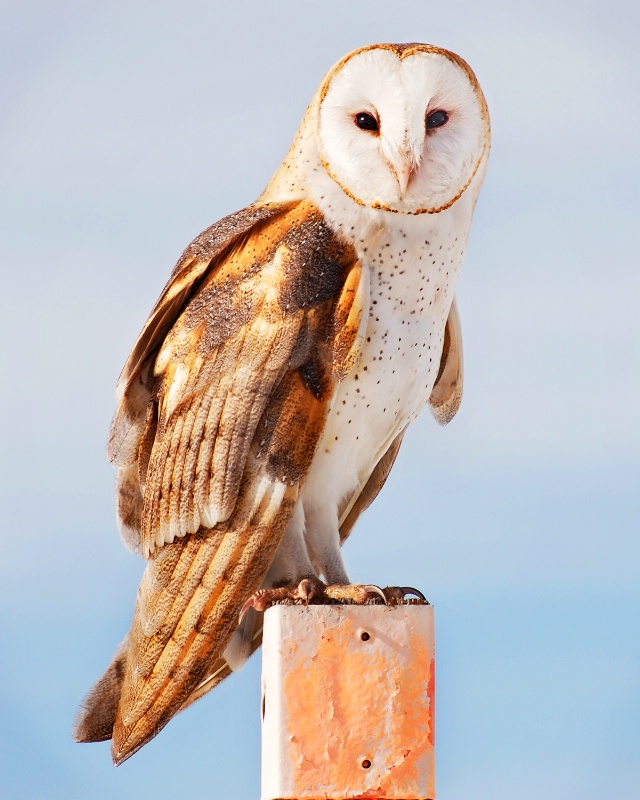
(238, 385)
(133, 420)
(201, 257)
(446, 394)
(221, 669)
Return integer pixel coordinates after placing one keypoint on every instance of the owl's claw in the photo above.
(373, 589)
(313, 589)
(397, 594)
(410, 590)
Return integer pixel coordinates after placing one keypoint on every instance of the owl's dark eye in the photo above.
(437, 119)
(366, 122)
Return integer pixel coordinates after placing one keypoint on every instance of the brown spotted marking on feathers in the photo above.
(239, 362)
(230, 349)
(210, 245)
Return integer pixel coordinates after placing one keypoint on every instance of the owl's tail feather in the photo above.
(96, 716)
(186, 613)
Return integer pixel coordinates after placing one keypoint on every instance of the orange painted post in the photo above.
(348, 702)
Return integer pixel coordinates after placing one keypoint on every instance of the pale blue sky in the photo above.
(126, 128)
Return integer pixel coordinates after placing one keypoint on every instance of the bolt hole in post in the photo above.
(365, 636)
(366, 764)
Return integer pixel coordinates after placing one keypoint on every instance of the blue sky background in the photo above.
(125, 129)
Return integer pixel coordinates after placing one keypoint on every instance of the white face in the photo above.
(404, 134)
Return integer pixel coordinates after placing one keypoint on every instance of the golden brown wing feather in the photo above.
(187, 609)
(239, 388)
(203, 254)
(221, 669)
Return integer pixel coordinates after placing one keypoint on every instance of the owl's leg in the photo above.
(311, 547)
(322, 536)
(323, 541)
(292, 560)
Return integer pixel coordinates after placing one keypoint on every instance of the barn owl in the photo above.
(264, 402)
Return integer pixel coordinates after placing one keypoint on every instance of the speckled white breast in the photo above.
(413, 268)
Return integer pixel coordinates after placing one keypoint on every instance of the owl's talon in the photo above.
(416, 592)
(373, 589)
(261, 600)
(396, 594)
(313, 589)
(305, 590)
(252, 602)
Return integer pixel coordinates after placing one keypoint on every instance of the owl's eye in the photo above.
(366, 122)
(437, 119)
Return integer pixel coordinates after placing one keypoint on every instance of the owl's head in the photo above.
(404, 128)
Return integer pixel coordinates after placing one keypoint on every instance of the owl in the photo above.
(265, 401)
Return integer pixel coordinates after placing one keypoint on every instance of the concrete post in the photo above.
(348, 702)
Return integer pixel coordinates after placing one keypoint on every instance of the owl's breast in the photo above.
(411, 292)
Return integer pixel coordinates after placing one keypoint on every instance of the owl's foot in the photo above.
(316, 591)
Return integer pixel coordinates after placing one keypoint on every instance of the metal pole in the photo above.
(348, 702)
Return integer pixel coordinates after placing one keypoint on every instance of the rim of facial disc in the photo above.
(404, 51)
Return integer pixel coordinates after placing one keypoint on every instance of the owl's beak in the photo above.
(402, 162)
(404, 172)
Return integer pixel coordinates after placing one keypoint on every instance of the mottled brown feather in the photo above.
(95, 717)
(135, 384)
(242, 381)
(298, 275)
(164, 668)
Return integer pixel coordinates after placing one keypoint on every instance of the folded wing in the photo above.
(221, 406)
